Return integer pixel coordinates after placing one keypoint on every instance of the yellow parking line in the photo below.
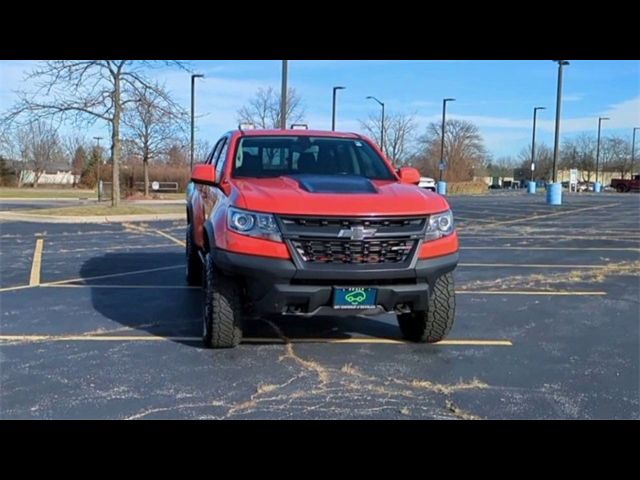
(149, 338)
(524, 265)
(465, 219)
(153, 230)
(34, 279)
(87, 285)
(535, 236)
(112, 248)
(91, 338)
(112, 275)
(606, 249)
(555, 214)
(390, 341)
(525, 292)
(83, 279)
(170, 237)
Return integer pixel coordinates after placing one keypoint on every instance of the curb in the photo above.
(34, 218)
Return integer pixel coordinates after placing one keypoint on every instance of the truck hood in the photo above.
(319, 195)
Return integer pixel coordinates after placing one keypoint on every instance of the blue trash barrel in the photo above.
(597, 187)
(531, 187)
(442, 188)
(554, 193)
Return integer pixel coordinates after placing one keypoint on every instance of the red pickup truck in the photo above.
(305, 222)
(622, 185)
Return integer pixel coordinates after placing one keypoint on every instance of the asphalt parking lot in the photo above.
(97, 322)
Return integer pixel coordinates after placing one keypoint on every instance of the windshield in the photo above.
(265, 157)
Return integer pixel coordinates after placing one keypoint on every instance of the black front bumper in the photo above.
(275, 286)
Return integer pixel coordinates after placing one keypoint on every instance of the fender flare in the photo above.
(210, 236)
(189, 213)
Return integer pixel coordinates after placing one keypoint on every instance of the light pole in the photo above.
(556, 141)
(444, 119)
(283, 95)
(193, 107)
(333, 108)
(598, 146)
(633, 149)
(382, 123)
(97, 139)
(533, 140)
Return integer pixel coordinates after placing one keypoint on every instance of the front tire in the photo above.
(434, 324)
(221, 323)
(194, 265)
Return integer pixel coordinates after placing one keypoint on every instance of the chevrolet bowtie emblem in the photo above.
(357, 233)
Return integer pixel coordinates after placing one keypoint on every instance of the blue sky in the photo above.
(497, 95)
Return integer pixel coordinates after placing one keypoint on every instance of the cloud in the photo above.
(422, 104)
(573, 97)
(622, 115)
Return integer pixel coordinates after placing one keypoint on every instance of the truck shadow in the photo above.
(158, 302)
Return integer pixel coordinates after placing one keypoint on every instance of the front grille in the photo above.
(330, 227)
(311, 222)
(350, 251)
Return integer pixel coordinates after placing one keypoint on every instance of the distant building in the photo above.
(55, 174)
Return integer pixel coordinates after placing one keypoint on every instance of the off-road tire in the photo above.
(621, 188)
(194, 264)
(434, 324)
(222, 309)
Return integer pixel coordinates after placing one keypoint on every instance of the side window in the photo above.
(221, 159)
(216, 151)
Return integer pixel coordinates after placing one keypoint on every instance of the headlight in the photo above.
(440, 225)
(261, 225)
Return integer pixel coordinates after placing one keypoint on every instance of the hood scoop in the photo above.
(334, 183)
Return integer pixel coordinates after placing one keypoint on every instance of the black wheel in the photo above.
(434, 324)
(621, 188)
(221, 322)
(194, 265)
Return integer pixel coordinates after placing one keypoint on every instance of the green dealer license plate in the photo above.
(354, 298)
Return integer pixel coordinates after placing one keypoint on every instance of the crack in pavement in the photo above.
(352, 379)
(459, 413)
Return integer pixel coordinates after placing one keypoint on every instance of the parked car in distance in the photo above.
(585, 186)
(428, 183)
(622, 185)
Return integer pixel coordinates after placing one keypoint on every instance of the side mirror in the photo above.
(204, 174)
(409, 175)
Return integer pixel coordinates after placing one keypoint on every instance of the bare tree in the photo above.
(39, 147)
(464, 149)
(152, 124)
(582, 152)
(616, 155)
(399, 133)
(86, 91)
(178, 155)
(544, 161)
(78, 163)
(202, 150)
(8, 147)
(76, 147)
(263, 110)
